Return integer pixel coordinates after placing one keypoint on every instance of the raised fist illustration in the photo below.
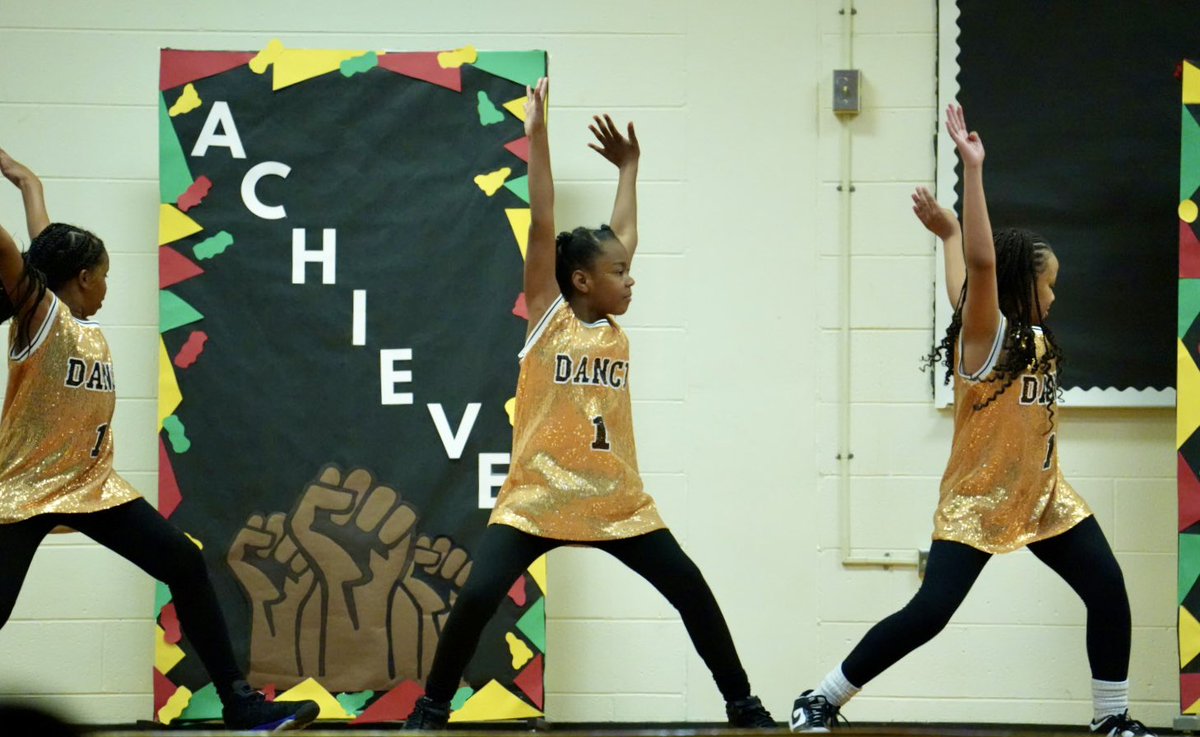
(439, 570)
(278, 582)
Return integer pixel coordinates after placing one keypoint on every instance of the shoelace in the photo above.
(1127, 724)
(827, 713)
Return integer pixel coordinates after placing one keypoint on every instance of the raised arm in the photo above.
(541, 288)
(943, 223)
(624, 153)
(25, 180)
(981, 308)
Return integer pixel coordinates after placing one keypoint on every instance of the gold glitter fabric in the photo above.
(56, 446)
(1003, 488)
(574, 472)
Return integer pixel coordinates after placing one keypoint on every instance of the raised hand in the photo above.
(13, 170)
(940, 221)
(969, 144)
(535, 107)
(278, 582)
(621, 150)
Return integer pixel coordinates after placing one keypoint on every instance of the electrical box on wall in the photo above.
(847, 87)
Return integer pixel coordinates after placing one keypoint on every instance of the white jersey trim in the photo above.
(40, 336)
(993, 357)
(540, 327)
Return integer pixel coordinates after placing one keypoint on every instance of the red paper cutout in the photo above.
(1189, 689)
(519, 148)
(195, 194)
(1189, 252)
(269, 691)
(174, 267)
(164, 689)
(520, 309)
(423, 66)
(393, 706)
(168, 488)
(169, 621)
(530, 681)
(191, 350)
(517, 592)
(1189, 495)
(178, 67)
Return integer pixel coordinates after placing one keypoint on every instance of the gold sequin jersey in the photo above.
(1003, 488)
(573, 473)
(56, 448)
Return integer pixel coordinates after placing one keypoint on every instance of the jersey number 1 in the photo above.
(601, 441)
(100, 433)
(1049, 453)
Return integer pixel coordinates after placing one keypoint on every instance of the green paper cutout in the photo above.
(162, 597)
(174, 177)
(532, 624)
(212, 246)
(1189, 304)
(523, 67)
(359, 64)
(519, 187)
(173, 312)
(354, 702)
(460, 698)
(1189, 563)
(1189, 155)
(177, 434)
(488, 112)
(205, 704)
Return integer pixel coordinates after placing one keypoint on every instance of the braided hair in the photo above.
(577, 249)
(55, 257)
(1021, 256)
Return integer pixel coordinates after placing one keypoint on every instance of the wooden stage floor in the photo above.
(620, 730)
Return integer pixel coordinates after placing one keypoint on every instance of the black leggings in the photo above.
(656, 556)
(1080, 555)
(138, 533)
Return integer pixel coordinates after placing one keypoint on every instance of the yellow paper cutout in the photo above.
(174, 225)
(166, 655)
(537, 569)
(521, 654)
(187, 102)
(493, 702)
(1189, 637)
(267, 56)
(519, 218)
(458, 57)
(1193, 709)
(1187, 388)
(492, 181)
(290, 66)
(516, 107)
(310, 690)
(169, 395)
(1191, 84)
(175, 705)
(195, 542)
(1187, 211)
(510, 408)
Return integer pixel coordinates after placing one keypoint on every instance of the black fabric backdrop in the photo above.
(1078, 108)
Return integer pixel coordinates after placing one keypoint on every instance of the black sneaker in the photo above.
(813, 713)
(749, 712)
(1121, 725)
(250, 710)
(428, 715)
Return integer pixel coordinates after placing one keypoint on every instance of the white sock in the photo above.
(836, 688)
(1109, 697)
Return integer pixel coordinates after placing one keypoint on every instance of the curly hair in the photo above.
(1021, 256)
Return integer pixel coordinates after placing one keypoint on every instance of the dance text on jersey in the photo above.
(93, 376)
(596, 371)
(1038, 388)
